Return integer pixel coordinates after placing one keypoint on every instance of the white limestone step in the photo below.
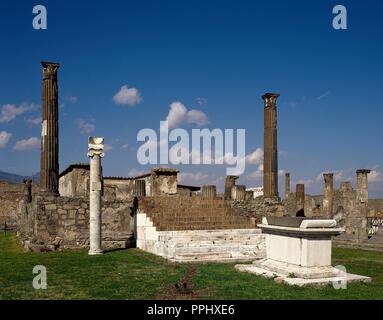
(216, 243)
(218, 249)
(209, 235)
(214, 257)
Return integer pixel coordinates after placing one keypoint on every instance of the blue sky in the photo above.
(218, 57)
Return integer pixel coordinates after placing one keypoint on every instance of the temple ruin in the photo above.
(80, 207)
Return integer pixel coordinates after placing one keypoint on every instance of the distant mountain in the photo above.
(12, 177)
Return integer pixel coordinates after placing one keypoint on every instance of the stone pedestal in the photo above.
(209, 192)
(95, 153)
(298, 252)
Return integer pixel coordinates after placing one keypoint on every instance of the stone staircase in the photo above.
(195, 229)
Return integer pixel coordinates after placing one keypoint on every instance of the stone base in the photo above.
(300, 276)
(94, 253)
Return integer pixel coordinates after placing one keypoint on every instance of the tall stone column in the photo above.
(287, 185)
(49, 164)
(328, 195)
(229, 184)
(270, 161)
(95, 153)
(359, 222)
(362, 185)
(300, 199)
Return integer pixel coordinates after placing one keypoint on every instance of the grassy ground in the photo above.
(133, 274)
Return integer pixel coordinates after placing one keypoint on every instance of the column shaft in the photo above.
(49, 165)
(270, 162)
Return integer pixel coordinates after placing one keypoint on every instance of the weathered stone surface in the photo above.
(49, 168)
(270, 162)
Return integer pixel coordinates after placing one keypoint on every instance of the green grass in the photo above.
(134, 274)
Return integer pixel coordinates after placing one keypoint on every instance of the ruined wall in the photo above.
(258, 208)
(164, 184)
(118, 189)
(10, 196)
(313, 206)
(75, 183)
(60, 222)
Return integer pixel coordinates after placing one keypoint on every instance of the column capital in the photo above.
(95, 147)
(50, 70)
(270, 99)
(328, 176)
(363, 171)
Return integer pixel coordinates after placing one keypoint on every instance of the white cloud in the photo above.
(201, 101)
(306, 182)
(34, 121)
(4, 138)
(10, 111)
(125, 146)
(27, 144)
(127, 96)
(179, 114)
(258, 173)
(72, 99)
(375, 176)
(339, 176)
(186, 177)
(85, 127)
(255, 157)
(324, 95)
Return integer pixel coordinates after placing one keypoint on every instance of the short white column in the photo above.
(95, 153)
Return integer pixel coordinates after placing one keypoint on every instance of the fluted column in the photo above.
(287, 185)
(359, 220)
(270, 161)
(209, 192)
(238, 193)
(95, 153)
(49, 165)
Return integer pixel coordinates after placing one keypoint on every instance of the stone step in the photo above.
(217, 243)
(201, 219)
(214, 257)
(217, 249)
(202, 227)
(210, 235)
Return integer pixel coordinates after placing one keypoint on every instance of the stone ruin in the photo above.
(155, 213)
